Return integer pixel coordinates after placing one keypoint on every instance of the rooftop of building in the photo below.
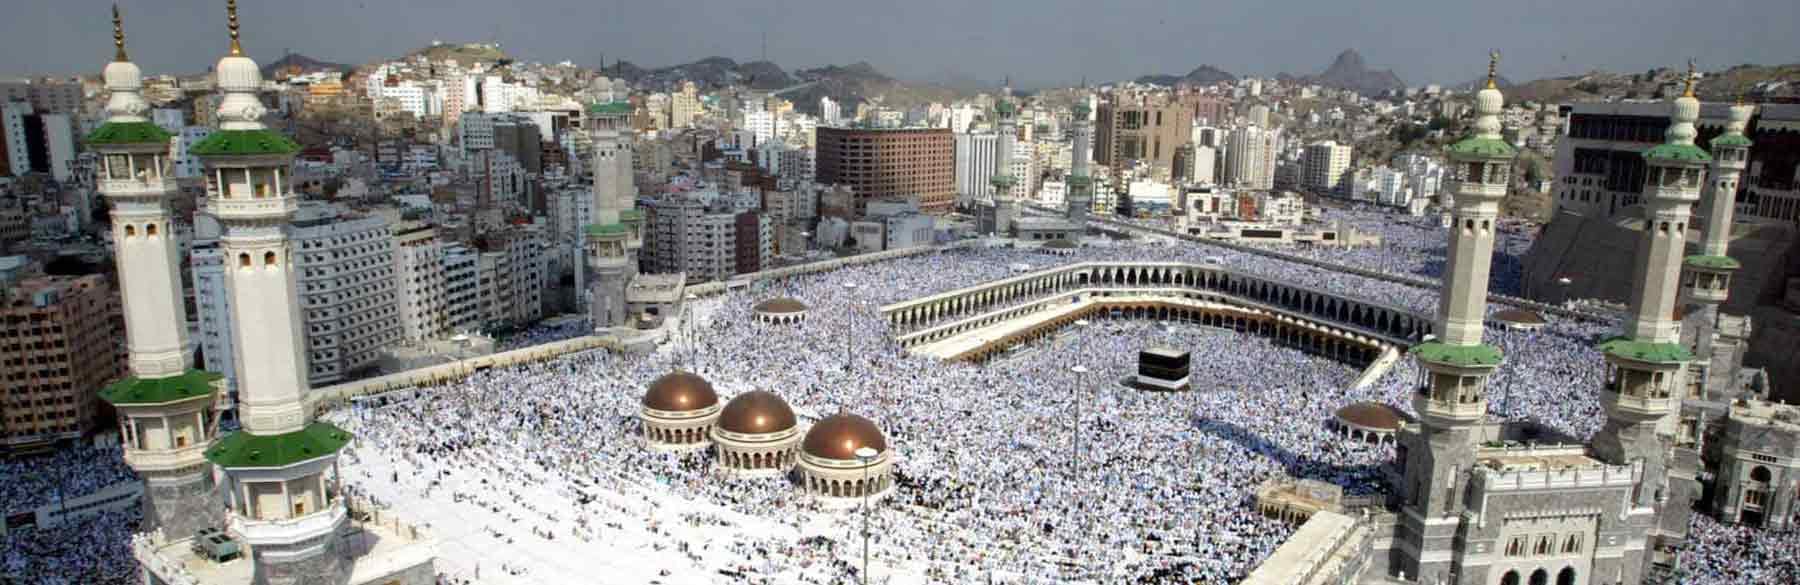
(1765, 413)
(1530, 458)
(380, 549)
(657, 288)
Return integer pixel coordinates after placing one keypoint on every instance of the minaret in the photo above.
(166, 415)
(1645, 366)
(1708, 274)
(1005, 207)
(1452, 400)
(281, 469)
(616, 232)
(1081, 184)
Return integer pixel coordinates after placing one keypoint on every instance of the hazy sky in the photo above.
(1036, 41)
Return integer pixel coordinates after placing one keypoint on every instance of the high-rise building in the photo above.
(830, 112)
(59, 347)
(1134, 125)
(705, 242)
(166, 408)
(419, 276)
(44, 94)
(684, 106)
(1081, 181)
(1325, 166)
(511, 276)
(1250, 158)
(278, 468)
(974, 164)
(347, 289)
(895, 162)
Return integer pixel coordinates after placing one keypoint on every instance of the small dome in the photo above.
(839, 436)
(122, 75)
(237, 73)
(780, 305)
(680, 392)
(756, 412)
(1371, 416)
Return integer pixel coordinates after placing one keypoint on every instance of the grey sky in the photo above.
(1036, 41)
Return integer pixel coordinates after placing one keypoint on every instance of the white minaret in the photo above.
(1645, 366)
(1708, 278)
(166, 415)
(281, 469)
(1452, 399)
(1005, 206)
(616, 233)
(1081, 183)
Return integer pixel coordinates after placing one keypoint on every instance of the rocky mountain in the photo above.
(463, 53)
(297, 64)
(1349, 71)
(708, 73)
(1754, 82)
(858, 83)
(1202, 75)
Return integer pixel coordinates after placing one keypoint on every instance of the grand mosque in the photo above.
(1472, 501)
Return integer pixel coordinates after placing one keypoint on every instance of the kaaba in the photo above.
(1162, 368)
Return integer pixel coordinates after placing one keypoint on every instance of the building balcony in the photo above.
(264, 208)
(288, 531)
(165, 459)
(145, 187)
(1633, 407)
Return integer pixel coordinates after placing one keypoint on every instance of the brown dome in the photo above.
(839, 436)
(1520, 316)
(680, 391)
(1372, 416)
(756, 412)
(780, 305)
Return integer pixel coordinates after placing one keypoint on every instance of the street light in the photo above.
(849, 342)
(687, 330)
(865, 455)
(1080, 378)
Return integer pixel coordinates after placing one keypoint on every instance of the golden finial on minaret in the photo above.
(1689, 91)
(1493, 66)
(119, 36)
(231, 17)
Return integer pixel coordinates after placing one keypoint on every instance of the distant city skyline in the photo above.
(1037, 43)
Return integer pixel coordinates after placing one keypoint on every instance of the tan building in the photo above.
(1141, 125)
(895, 162)
(58, 346)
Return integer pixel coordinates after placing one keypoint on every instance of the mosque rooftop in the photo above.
(136, 391)
(244, 142)
(244, 450)
(128, 133)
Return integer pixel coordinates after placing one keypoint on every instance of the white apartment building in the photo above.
(347, 287)
(462, 288)
(1250, 158)
(476, 132)
(1324, 166)
(830, 112)
(12, 117)
(187, 165)
(420, 282)
(212, 310)
(59, 141)
(511, 278)
(975, 152)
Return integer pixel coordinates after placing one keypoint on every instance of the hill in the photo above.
(1756, 82)
(297, 64)
(1202, 75)
(859, 83)
(708, 73)
(1349, 71)
(464, 53)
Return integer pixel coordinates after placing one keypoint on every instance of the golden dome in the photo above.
(1372, 416)
(839, 436)
(680, 391)
(780, 305)
(756, 412)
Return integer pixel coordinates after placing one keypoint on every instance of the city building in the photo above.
(974, 165)
(1250, 158)
(419, 276)
(347, 287)
(1135, 125)
(1325, 171)
(58, 347)
(894, 162)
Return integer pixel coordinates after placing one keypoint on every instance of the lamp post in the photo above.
(687, 330)
(1080, 378)
(849, 342)
(865, 455)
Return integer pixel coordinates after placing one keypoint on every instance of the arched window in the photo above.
(1542, 547)
(268, 258)
(1516, 547)
(1566, 576)
(1540, 577)
(130, 231)
(1572, 544)
(1759, 474)
(243, 260)
(1511, 578)
(150, 229)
